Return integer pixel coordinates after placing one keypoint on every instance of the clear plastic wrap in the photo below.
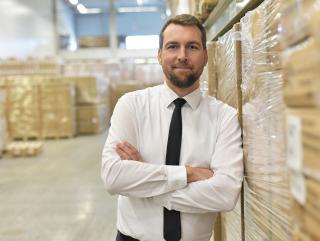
(226, 68)
(302, 78)
(301, 60)
(30, 66)
(300, 19)
(40, 106)
(231, 224)
(23, 110)
(267, 198)
(92, 119)
(211, 69)
(57, 106)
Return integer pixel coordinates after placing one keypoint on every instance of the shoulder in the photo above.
(140, 97)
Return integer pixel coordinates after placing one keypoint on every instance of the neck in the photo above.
(181, 92)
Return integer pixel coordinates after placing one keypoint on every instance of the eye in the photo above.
(172, 46)
(193, 47)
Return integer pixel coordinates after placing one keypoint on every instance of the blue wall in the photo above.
(127, 24)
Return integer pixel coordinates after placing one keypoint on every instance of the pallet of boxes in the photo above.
(301, 61)
(224, 80)
(267, 206)
(37, 107)
(93, 112)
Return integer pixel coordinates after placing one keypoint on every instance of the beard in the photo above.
(182, 82)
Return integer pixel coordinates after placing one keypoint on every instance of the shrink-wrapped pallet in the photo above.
(92, 119)
(301, 60)
(267, 197)
(23, 112)
(58, 110)
(225, 81)
(228, 71)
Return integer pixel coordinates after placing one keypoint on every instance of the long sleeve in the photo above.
(133, 178)
(220, 192)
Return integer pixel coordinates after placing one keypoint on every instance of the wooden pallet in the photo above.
(24, 148)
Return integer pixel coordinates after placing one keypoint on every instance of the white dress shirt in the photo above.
(211, 138)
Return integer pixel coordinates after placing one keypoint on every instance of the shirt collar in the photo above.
(193, 99)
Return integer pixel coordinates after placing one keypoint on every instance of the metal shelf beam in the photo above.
(226, 14)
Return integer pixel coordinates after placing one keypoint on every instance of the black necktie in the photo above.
(171, 218)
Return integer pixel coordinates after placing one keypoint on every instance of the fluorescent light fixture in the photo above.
(137, 9)
(139, 2)
(94, 10)
(142, 42)
(74, 2)
(82, 9)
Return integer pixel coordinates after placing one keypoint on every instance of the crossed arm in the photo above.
(182, 188)
(126, 151)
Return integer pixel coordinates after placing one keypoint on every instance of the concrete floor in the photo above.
(58, 195)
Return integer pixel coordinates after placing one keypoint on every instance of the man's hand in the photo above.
(197, 174)
(126, 151)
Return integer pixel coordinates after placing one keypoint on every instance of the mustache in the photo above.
(182, 66)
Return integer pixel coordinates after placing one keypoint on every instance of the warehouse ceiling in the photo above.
(104, 4)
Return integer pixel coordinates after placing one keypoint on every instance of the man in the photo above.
(172, 183)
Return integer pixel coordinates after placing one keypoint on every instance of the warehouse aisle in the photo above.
(57, 196)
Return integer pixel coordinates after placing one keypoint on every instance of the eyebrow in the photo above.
(188, 43)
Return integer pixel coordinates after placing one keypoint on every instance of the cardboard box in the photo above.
(295, 29)
(92, 119)
(57, 110)
(116, 90)
(302, 235)
(23, 110)
(302, 88)
(228, 59)
(304, 136)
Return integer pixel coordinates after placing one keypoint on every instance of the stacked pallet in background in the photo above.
(267, 198)
(211, 69)
(30, 66)
(91, 79)
(224, 80)
(40, 106)
(202, 8)
(57, 108)
(93, 112)
(23, 107)
(301, 61)
(3, 120)
(117, 89)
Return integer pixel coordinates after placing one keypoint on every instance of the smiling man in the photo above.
(173, 156)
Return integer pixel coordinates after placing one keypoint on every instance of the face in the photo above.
(182, 57)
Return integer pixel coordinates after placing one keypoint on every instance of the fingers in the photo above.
(197, 174)
(128, 152)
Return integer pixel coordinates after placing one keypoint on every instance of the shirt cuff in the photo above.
(177, 177)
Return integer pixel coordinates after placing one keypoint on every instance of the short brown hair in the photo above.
(184, 20)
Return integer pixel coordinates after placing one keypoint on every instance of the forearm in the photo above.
(137, 179)
(216, 194)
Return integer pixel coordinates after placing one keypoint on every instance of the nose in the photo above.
(182, 55)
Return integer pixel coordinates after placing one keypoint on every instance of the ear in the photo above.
(159, 56)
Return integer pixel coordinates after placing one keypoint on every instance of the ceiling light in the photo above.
(137, 9)
(82, 9)
(93, 10)
(74, 2)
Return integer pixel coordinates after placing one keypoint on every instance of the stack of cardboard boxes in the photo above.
(92, 104)
(224, 75)
(267, 198)
(301, 61)
(39, 106)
